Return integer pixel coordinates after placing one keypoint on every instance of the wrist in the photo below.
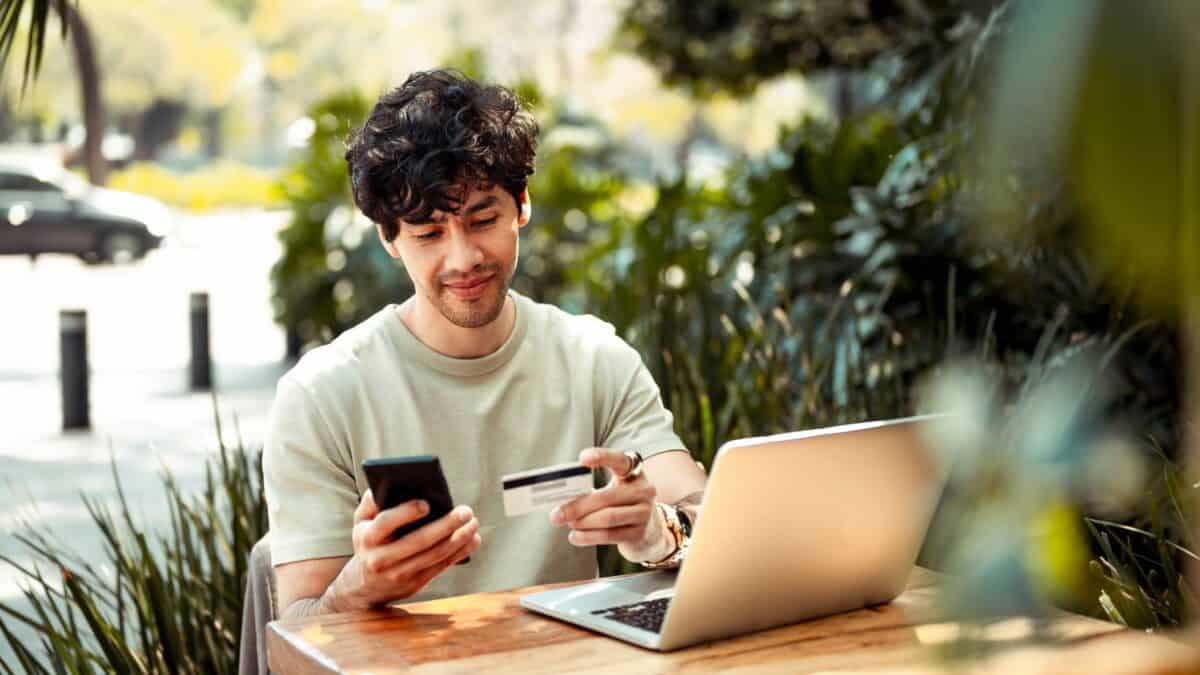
(677, 525)
(656, 543)
(329, 602)
(347, 593)
(664, 545)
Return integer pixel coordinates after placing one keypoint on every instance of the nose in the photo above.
(464, 255)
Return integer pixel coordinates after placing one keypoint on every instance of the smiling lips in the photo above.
(471, 288)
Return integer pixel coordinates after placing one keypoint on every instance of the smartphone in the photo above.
(395, 480)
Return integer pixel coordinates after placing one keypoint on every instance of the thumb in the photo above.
(367, 510)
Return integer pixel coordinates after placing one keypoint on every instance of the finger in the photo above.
(439, 552)
(613, 460)
(614, 516)
(615, 494)
(385, 524)
(429, 574)
(366, 509)
(464, 551)
(617, 535)
(430, 535)
(420, 581)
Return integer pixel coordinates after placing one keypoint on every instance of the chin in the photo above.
(474, 313)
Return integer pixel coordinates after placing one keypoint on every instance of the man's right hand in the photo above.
(382, 570)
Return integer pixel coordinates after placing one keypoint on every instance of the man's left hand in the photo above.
(621, 513)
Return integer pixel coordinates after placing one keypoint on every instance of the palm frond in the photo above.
(33, 18)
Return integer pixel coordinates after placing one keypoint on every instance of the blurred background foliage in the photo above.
(820, 282)
(221, 185)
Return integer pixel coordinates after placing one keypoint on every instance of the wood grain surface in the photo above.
(490, 632)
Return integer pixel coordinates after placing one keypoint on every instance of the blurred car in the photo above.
(49, 210)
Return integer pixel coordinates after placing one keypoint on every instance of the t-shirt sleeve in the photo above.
(637, 420)
(310, 492)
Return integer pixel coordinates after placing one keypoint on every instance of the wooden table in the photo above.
(490, 632)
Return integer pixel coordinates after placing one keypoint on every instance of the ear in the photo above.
(389, 246)
(526, 209)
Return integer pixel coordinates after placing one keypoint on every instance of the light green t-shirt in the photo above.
(559, 384)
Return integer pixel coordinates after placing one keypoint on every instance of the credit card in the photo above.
(543, 489)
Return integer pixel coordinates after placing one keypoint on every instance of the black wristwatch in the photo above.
(685, 522)
(679, 525)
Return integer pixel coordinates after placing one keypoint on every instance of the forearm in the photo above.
(307, 607)
(339, 596)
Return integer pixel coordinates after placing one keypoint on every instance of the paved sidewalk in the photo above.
(143, 417)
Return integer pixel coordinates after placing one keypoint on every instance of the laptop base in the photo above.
(577, 604)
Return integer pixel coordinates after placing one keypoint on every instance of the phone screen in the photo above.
(395, 480)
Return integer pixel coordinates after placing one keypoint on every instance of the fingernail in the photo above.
(556, 515)
(571, 537)
(590, 456)
(423, 506)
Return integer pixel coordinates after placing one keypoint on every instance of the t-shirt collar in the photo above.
(413, 348)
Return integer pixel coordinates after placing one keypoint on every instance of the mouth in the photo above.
(470, 288)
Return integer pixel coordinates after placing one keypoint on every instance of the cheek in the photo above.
(421, 268)
(504, 246)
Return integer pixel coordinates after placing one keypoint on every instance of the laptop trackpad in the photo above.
(648, 586)
(611, 592)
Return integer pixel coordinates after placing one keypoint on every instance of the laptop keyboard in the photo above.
(647, 615)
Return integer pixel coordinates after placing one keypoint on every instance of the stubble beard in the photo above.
(477, 312)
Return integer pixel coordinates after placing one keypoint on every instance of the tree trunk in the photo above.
(88, 70)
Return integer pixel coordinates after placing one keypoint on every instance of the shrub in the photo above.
(159, 602)
(216, 186)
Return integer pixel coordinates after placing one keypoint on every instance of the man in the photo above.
(487, 380)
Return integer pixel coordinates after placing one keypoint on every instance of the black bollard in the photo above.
(201, 370)
(73, 368)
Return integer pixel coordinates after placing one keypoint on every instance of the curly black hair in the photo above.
(431, 138)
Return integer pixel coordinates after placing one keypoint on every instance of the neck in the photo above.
(428, 325)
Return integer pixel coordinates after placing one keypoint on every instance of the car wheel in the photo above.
(120, 248)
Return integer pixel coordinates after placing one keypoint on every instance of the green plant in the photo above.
(825, 280)
(220, 185)
(166, 602)
(1140, 563)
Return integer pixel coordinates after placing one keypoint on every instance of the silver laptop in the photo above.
(794, 526)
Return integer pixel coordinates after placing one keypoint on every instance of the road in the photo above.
(144, 419)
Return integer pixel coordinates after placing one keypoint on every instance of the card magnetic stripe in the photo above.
(545, 477)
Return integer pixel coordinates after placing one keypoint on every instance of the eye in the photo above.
(484, 223)
(429, 236)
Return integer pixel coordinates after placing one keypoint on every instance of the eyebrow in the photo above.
(482, 204)
(478, 206)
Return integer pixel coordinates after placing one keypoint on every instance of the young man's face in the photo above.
(463, 263)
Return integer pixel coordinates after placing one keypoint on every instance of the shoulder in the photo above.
(340, 364)
(578, 333)
(589, 344)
